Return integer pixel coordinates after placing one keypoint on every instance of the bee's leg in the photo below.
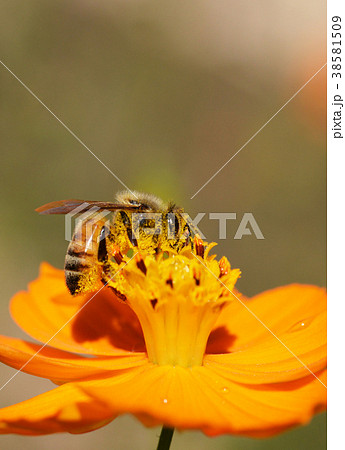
(108, 271)
(132, 239)
(103, 256)
(183, 239)
(128, 225)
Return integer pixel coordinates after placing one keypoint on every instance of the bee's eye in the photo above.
(142, 206)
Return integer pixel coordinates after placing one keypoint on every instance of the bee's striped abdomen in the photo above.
(81, 258)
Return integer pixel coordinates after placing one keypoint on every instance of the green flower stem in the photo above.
(165, 438)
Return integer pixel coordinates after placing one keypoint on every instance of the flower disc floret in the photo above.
(177, 299)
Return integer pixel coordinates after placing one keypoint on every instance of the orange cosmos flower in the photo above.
(172, 343)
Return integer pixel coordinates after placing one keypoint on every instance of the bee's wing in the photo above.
(67, 206)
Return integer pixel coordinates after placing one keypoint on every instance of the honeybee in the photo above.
(137, 220)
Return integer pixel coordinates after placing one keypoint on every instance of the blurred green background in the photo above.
(164, 94)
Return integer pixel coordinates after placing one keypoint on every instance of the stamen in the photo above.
(169, 281)
(199, 247)
(117, 255)
(154, 303)
(141, 265)
(196, 278)
(224, 267)
(177, 301)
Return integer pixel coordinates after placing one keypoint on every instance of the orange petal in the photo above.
(100, 325)
(197, 398)
(275, 359)
(59, 365)
(281, 310)
(66, 408)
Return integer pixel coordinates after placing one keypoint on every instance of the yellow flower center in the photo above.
(177, 299)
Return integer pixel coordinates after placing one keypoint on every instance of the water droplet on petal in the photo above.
(225, 390)
(165, 401)
(300, 325)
